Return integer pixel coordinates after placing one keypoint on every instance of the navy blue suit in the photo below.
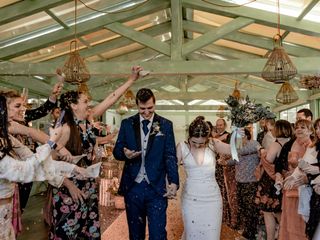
(145, 200)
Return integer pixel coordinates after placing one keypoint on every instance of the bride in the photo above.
(201, 199)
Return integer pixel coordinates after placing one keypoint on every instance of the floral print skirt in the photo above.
(71, 220)
(6, 228)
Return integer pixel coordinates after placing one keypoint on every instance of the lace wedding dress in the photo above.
(201, 198)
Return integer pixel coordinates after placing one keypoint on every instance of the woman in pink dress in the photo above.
(292, 225)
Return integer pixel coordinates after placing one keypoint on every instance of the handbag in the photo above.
(258, 172)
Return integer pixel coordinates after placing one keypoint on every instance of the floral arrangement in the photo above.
(156, 129)
(245, 111)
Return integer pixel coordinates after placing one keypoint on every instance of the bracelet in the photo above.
(52, 144)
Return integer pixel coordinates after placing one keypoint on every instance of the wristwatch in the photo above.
(52, 144)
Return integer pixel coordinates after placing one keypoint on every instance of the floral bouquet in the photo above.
(244, 112)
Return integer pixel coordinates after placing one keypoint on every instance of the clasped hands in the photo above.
(171, 191)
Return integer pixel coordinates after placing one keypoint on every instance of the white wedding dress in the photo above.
(201, 198)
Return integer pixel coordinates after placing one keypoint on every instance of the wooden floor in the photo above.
(114, 220)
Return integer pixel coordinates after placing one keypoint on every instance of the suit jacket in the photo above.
(160, 159)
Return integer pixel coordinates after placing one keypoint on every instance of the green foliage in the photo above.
(245, 111)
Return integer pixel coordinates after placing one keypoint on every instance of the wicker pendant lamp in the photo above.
(74, 68)
(279, 67)
(286, 94)
(129, 99)
(236, 93)
(310, 81)
(220, 113)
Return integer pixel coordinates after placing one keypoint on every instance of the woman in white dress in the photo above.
(201, 197)
(19, 164)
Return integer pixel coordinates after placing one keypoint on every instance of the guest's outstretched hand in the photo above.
(135, 70)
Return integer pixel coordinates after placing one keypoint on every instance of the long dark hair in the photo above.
(5, 143)
(74, 142)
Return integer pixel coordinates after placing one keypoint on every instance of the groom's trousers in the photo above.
(143, 202)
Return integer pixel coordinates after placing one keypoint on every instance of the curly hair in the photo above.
(5, 143)
(74, 142)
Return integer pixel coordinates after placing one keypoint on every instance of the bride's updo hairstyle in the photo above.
(199, 128)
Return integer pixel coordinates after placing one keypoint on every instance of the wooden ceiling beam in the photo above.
(259, 16)
(159, 68)
(82, 29)
(253, 40)
(215, 34)
(26, 8)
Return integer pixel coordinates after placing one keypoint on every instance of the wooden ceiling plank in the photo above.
(225, 67)
(139, 37)
(26, 8)
(82, 29)
(260, 16)
(177, 30)
(253, 40)
(307, 9)
(54, 17)
(116, 43)
(215, 34)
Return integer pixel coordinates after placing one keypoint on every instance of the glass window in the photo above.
(290, 114)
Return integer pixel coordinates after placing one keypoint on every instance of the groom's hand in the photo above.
(171, 191)
(131, 153)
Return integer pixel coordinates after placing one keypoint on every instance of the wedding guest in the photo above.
(310, 166)
(25, 116)
(77, 200)
(227, 179)
(268, 137)
(304, 113)
(201, 197)
(263, 130)
(292, 225)
(247, 184)
(146, 144)
(19, 164)
(268, 199)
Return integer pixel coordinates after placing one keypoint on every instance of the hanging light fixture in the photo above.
(286, 94)
(129, 99)
(279, 67)
(122, 108)
(236, 93)
(221, 112)
(75, 69)
(310, 81)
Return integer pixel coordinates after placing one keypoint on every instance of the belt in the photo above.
(5, 201)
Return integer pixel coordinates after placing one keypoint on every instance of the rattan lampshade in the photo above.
(279, 67)
(74, 68)
(236, 93)
(221, 113)
(129, 99)
(122, 108)
(286, 94)
(310, 81)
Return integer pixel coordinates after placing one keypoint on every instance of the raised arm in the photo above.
(221, 147)
(99, 109)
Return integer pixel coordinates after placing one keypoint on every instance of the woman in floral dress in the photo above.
(267, 198)
(75, 205)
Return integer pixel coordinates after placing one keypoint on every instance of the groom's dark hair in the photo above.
(144, 94)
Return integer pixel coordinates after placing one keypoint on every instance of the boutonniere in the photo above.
(156, 129)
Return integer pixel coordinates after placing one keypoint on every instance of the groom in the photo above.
(146, 144)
